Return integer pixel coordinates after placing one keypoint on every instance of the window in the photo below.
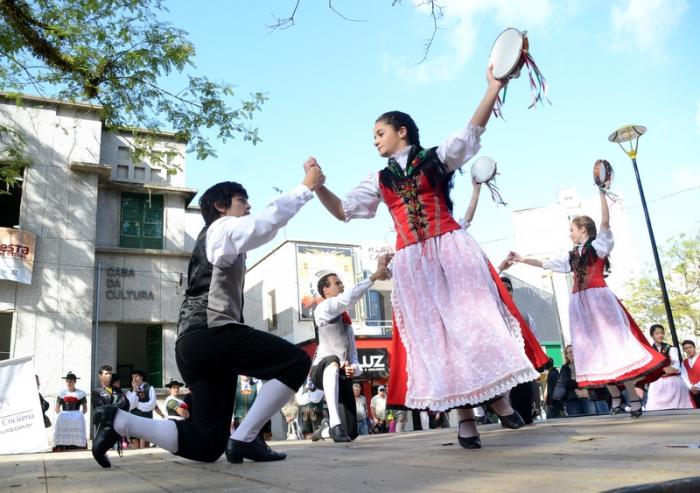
(375, 308)
(5, 335)
(9, 205)
(141, 221)
(272, 310)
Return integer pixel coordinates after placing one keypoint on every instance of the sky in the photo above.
(607, 64)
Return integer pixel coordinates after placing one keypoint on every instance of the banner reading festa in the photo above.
(16, 255)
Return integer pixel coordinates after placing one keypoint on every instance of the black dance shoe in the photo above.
(468, 442)
(512, 421)
(257, 451)
(338, 434)
(638, 412)
(615, 410)
(105, 437)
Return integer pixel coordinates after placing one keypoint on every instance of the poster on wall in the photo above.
(21, 419)
(313, 262)
(16, 255)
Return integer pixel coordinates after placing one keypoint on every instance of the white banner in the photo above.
(17, 255)
(21, 422)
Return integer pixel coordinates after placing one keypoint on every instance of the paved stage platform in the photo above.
(587, 454)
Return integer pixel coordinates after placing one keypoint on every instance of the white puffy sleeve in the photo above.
(362, 201)
(604, 242)
(460, 146)
(558, 264)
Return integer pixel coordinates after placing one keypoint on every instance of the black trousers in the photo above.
(521, 400)
(346, 397)
(210, 360)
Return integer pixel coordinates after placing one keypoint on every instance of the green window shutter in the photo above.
(154, 355)
(141, 221)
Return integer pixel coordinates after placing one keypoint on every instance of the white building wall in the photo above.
(53, 316)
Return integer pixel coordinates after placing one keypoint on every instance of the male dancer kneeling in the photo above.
(336, 349)
(214, 346)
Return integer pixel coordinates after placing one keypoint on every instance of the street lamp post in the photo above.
(631, 134)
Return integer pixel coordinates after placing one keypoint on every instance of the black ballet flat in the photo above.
(638, 412)
(106, 436)
(512, 421)
(615, 410)
(468, 442)
(338, 434)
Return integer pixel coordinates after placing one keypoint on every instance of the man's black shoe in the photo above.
(257, 451)
(512, 421)
(338, 434)
(105, 437)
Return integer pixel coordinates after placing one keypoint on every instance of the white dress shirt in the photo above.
(603, 245)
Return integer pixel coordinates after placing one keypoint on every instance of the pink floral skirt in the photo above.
(462, 345)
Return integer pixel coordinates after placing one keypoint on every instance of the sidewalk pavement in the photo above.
(588, 454)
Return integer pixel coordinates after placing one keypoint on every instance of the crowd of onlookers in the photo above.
(140, 399)
(555, 395)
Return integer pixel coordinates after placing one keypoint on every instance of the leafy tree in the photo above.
(115, 53)
(681, 265)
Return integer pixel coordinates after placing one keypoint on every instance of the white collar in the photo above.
(401, 157)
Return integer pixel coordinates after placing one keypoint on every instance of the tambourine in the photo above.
(484, 171)
(510, 52)
(602, 177)
(602, 174)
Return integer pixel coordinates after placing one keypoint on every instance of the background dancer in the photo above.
(214, 346)
(690, 371)
(669, 391)
(452, 334)
(608, 346)
(71, 406)
(336, 361)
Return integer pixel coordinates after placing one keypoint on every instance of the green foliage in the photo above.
(13, 158)
(117, 53)
(681, 265)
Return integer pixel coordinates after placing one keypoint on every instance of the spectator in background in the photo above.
(552, 406)
(576, 400)
(176, 408)
(669, 391)
(71, 405)
(598, 399)
(107, 395)
(44, 405)
(361, 407)
(378, 407)
(145, 396)
(690, 371)
(246, 392)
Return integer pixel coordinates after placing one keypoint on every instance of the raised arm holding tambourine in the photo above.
(450, 328)
(609, 348)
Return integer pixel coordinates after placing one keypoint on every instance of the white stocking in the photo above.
(162, 432)
(330, 387)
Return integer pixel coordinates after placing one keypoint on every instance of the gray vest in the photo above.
(214, 295)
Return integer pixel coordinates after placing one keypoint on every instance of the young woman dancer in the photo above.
(609, 348)
(455, 343)
(669, 391)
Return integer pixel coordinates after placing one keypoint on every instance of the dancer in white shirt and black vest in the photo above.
(336, 361)
(690, 371)
(214, 346)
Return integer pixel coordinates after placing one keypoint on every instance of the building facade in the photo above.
(113, 236)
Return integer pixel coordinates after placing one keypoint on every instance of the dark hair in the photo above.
(139, 373)
(580, 263)
(653, 328)
(220, 194)
(506, 280)
(398, 119)
(325, 282)
(105, 368)
(687, 341)
(566, 360)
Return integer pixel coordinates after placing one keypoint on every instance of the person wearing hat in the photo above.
(176, 408)
(336, 361)
(144, 396)
(378, 407)
(71, 405)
